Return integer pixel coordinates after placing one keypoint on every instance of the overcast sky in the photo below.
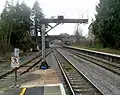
(67, 8)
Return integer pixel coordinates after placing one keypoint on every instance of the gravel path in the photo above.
(107, 81)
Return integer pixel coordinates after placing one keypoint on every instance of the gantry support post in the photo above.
(44, 64)
(43, 42)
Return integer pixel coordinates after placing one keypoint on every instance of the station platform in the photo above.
(40, 82)
(41, 78)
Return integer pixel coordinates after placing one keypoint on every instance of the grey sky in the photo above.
(67, 8)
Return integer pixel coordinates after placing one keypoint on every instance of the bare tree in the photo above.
(78, 34)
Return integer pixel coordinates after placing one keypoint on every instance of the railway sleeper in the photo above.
(80, 86)
(84, 90)
(87, 93)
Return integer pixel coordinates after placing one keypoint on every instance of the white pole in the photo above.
(43, 42)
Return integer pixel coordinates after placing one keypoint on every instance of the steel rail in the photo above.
(80, 72)
(64, 74)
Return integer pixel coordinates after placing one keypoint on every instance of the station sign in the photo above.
(16, 51)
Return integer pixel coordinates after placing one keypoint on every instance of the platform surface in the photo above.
(39, 82)
(41, 78)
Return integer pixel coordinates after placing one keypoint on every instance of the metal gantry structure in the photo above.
(58, 21)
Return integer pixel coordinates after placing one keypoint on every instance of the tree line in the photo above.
(106, 27)
(16, 22)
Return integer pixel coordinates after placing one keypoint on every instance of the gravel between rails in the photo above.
(108, 82)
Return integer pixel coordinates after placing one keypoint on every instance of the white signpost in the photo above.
(15, 62)
(15, 58)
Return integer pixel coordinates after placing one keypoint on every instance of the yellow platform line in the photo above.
(23, 91)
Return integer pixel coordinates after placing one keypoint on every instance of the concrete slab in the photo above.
(14, 91)
(38, 72)
(30, 84)
(50, 77)
(35, 91)
(52, 90)
(40, 78)
(51, 81)
(41, 83)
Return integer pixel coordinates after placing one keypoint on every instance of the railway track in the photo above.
(35, 63)
(7, 79)
(113, 67)
(22, 65)
(78, 83)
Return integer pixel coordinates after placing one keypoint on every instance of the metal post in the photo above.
(43, 42)
(44, 64)
(15, 76)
